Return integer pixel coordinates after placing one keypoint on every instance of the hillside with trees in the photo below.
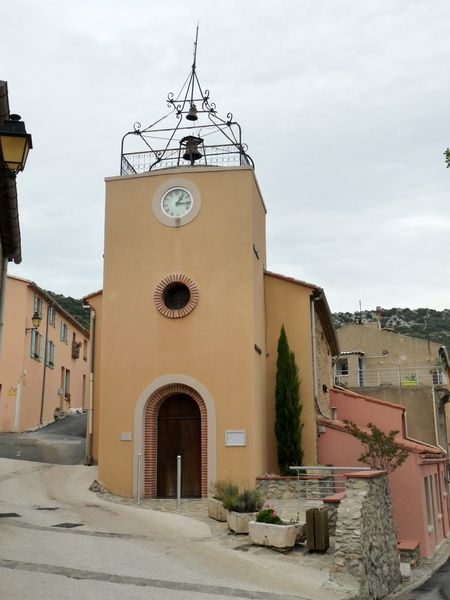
(423, 323)
(73, 306)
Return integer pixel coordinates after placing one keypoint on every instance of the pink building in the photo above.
(43, 369)
(419, 487)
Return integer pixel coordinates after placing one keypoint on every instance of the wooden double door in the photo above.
(179, 433)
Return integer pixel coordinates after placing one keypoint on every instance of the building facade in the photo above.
(400, 369)
(43, 370)
(187, 324)
(419, 487)
(10, 246)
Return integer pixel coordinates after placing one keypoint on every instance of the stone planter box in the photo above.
(238, 522)
(216, 510)
(277, 536)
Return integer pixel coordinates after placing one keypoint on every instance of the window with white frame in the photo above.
(64, 332)
(50, 354)
(38, 305)
(51, 316)
(36, 345)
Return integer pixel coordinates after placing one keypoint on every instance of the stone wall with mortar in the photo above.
(285, 488)
(366, 545)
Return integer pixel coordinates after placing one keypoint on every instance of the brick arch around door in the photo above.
(151, 436)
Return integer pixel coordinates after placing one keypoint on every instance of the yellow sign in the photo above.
(12, 391)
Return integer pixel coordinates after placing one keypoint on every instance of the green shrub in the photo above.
(223, 489)
(246, 501)
(268, 515)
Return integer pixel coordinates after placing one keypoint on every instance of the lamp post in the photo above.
(15, 144)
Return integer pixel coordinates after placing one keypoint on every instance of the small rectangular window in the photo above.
(38, 305)
(63, 332)
(342, 366)
(50, 354)
(36, 345)
(51, 316)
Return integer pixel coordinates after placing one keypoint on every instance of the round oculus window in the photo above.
(176, 202)
(176, 296)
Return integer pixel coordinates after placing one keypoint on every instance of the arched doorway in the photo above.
(179, 433)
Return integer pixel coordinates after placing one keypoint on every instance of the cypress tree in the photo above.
(288, 427)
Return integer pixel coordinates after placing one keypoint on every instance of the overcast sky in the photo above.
(344, 105)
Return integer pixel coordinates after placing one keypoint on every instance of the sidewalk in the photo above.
(299, 557)
(314, 567)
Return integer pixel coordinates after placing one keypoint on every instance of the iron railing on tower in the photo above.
(192, 133)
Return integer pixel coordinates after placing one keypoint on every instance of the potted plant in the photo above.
(268, 529)
(220, 490)
(242, 509)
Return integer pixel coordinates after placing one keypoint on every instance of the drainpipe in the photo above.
(3, 297)
(436, 433)
(88, 454)
(314, 299)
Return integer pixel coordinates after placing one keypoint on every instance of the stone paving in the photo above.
(197, 509)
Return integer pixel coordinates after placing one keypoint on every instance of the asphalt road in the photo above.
(436, 588)
(61, 442)
(67, 543)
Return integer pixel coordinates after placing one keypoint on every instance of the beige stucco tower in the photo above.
(184, 359)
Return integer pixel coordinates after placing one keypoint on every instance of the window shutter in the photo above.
(33, 341)
(35, 303)
(54, 355)
(41, 340)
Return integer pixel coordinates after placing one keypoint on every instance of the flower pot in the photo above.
(216, 510)
(238, 522)
(285, 535)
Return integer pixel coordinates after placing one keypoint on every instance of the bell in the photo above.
(191, 152)
(192, 114)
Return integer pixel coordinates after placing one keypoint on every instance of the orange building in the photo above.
(187, 324)
(44, 363)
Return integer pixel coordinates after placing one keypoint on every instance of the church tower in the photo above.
(182, 312)
(187, 323)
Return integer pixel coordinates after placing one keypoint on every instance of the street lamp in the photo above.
(36, 321)
(15, 143)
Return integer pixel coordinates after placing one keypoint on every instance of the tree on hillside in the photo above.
(447, 157)
(288, 427)
(381, 450)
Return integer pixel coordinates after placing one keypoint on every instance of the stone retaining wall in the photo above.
(366, 545)
(285, 488)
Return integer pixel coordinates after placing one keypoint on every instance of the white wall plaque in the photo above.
(125, 436)
(235, 437)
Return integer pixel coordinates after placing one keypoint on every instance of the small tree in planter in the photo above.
(288, 426)
(220, 491)
(242, 509)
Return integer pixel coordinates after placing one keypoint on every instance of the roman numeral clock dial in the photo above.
(176, 202)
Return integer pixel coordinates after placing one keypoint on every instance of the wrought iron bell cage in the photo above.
(191, 134)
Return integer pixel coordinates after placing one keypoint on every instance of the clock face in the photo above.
(176, 202)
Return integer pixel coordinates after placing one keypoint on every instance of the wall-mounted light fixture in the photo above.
(36, 321)
(15, 144)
